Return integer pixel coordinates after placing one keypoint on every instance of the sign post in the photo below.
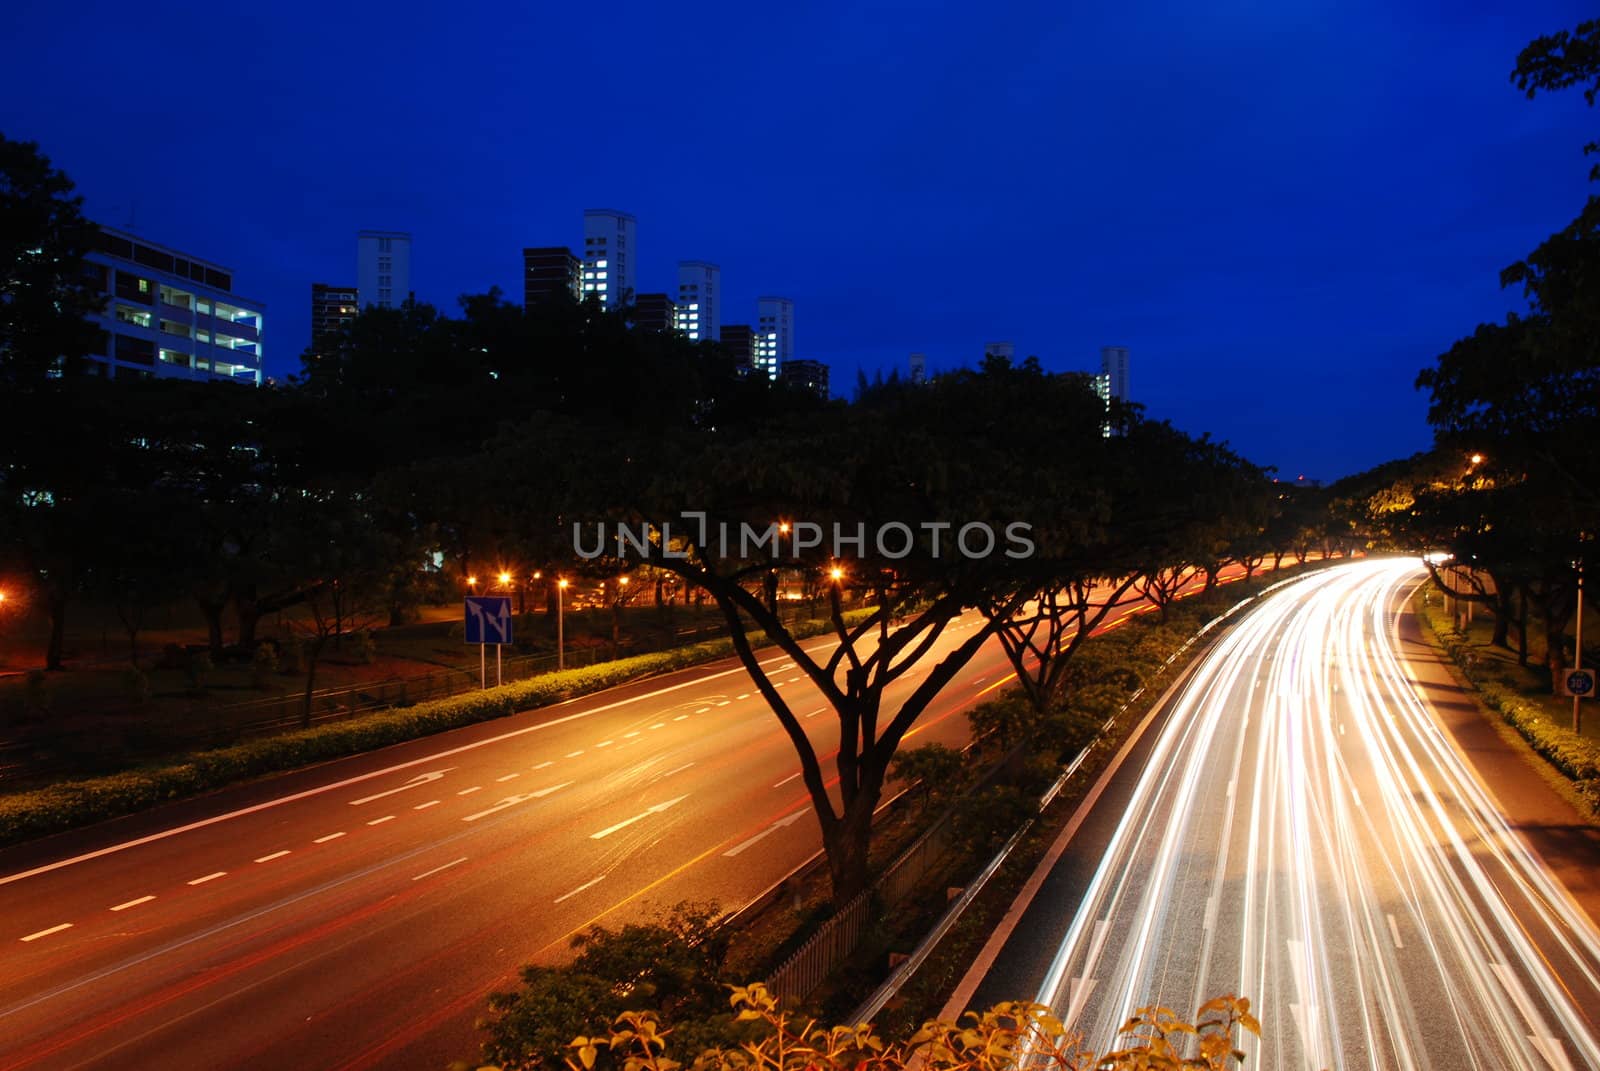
(1577, 662)
(487, 619)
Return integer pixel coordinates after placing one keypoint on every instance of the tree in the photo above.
(45, 296)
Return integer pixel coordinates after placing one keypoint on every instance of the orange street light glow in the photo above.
(472, 581)
(561, 583)
(1476, 459)
(836, 572)
(505, 578)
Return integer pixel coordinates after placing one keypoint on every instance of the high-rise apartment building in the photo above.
(609, 255)
(700, 300)
(919, 368)
(1112, 382)
(548, 270)
(383, 268)
(170, 314)
(774, 341)
(807, 375)
(1008, 350)
(332, 309)
(739, 341)
(655, 312)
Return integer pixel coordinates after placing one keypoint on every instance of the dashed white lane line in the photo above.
(209, 877)
(791, 680)
(133, 903)
(330, 836)
(786, 780)
(507, 777)
(266, 858)
(512, 801)
(47, 933)
(780, 684)
(380, 821)
(685, 717)
(814, 713)
(659, 725)
(702, 710)
(547, 762)
(628, 736)
(580, 888)
(724, 703)
(746, 695)
(425, 806)
(1394, 930)
(573, 754)
(435, 870)
(469, 791)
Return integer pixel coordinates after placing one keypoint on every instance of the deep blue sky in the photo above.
(1284, 209)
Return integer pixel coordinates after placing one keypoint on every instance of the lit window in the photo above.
(600, 263)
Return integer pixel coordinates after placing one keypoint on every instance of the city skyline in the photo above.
(1258, 229)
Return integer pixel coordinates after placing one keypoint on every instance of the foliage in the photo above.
(1003, 1037)
(931, 771)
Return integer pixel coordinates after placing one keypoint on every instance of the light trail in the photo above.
(1304, 834)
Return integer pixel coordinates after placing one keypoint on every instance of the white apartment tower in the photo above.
(609, 255)
(383, 268)
(1112, 382)
(699, 300)
(774, 339)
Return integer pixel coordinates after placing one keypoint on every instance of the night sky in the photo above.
(1284, 209)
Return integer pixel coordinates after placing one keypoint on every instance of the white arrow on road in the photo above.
(512, 801)
(773, 828)
(420, 779)
(626, 822)
(1079, 988)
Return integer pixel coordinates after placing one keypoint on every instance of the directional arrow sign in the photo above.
(512, 801)
(626, 822)
(420, 779)
(488, 619)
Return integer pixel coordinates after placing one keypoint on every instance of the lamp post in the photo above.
(505, 586)
(1577, 653)
(561, 640)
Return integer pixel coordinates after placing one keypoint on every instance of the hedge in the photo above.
(1575, 755)
(36, 813)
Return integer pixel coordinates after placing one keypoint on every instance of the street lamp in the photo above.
(472, 582)
(505, 580)
(836, 574)
(561, 643)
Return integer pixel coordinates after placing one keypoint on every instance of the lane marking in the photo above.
(573, 754)
(544, 764)
(814, 713)
(684, 717)
(425, 806)
(435, 870)
(133, 903)
(420, 779)
(607, 743)
(787, 820)
(786, 780)
(646, 813)
(724, 703)
(512, 801)
(580, 888)
(702, 710)
(380, 821)
(745, 695)
(629, 736)
(330, 836)
(209, 877)
(469, 791)
(372, 774)
(659, 725)
(507, 777)
(1394, 931)
(47, 933)
(669, 773)
(269, 858)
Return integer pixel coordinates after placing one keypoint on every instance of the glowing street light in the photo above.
(472, 582)
(836, 573)
(505, 580)
(1476, 459)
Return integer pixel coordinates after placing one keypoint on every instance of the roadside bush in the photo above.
(1008, 718)
(263, 664)
(930, 772)
(136, 685)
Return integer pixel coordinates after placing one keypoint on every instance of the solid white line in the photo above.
(1394, 929)
(580, 888)
(380, 821)
(786, 780)
(425, 806)
(133, 903)
(209, 877)
(267, 858)
(507, 777)
(47, 933)
(542, 765)
(435, 870)
(360, 778)
(330, 836)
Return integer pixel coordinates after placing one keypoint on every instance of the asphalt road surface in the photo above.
(1297, 829)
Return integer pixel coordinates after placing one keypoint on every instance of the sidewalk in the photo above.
(1528, 790)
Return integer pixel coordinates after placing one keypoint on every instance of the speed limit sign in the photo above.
(1579, 683)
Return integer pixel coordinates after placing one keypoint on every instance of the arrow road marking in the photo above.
(787, 820)
(580, 888)
(646, 813)
(1079, 988)
(1549, 1046)
(420, 779)
(512, 801)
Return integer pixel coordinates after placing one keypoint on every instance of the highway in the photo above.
(1295, 827)
(356, 914)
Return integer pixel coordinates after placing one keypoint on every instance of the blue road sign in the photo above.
(1580, 682)
(488, 619)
